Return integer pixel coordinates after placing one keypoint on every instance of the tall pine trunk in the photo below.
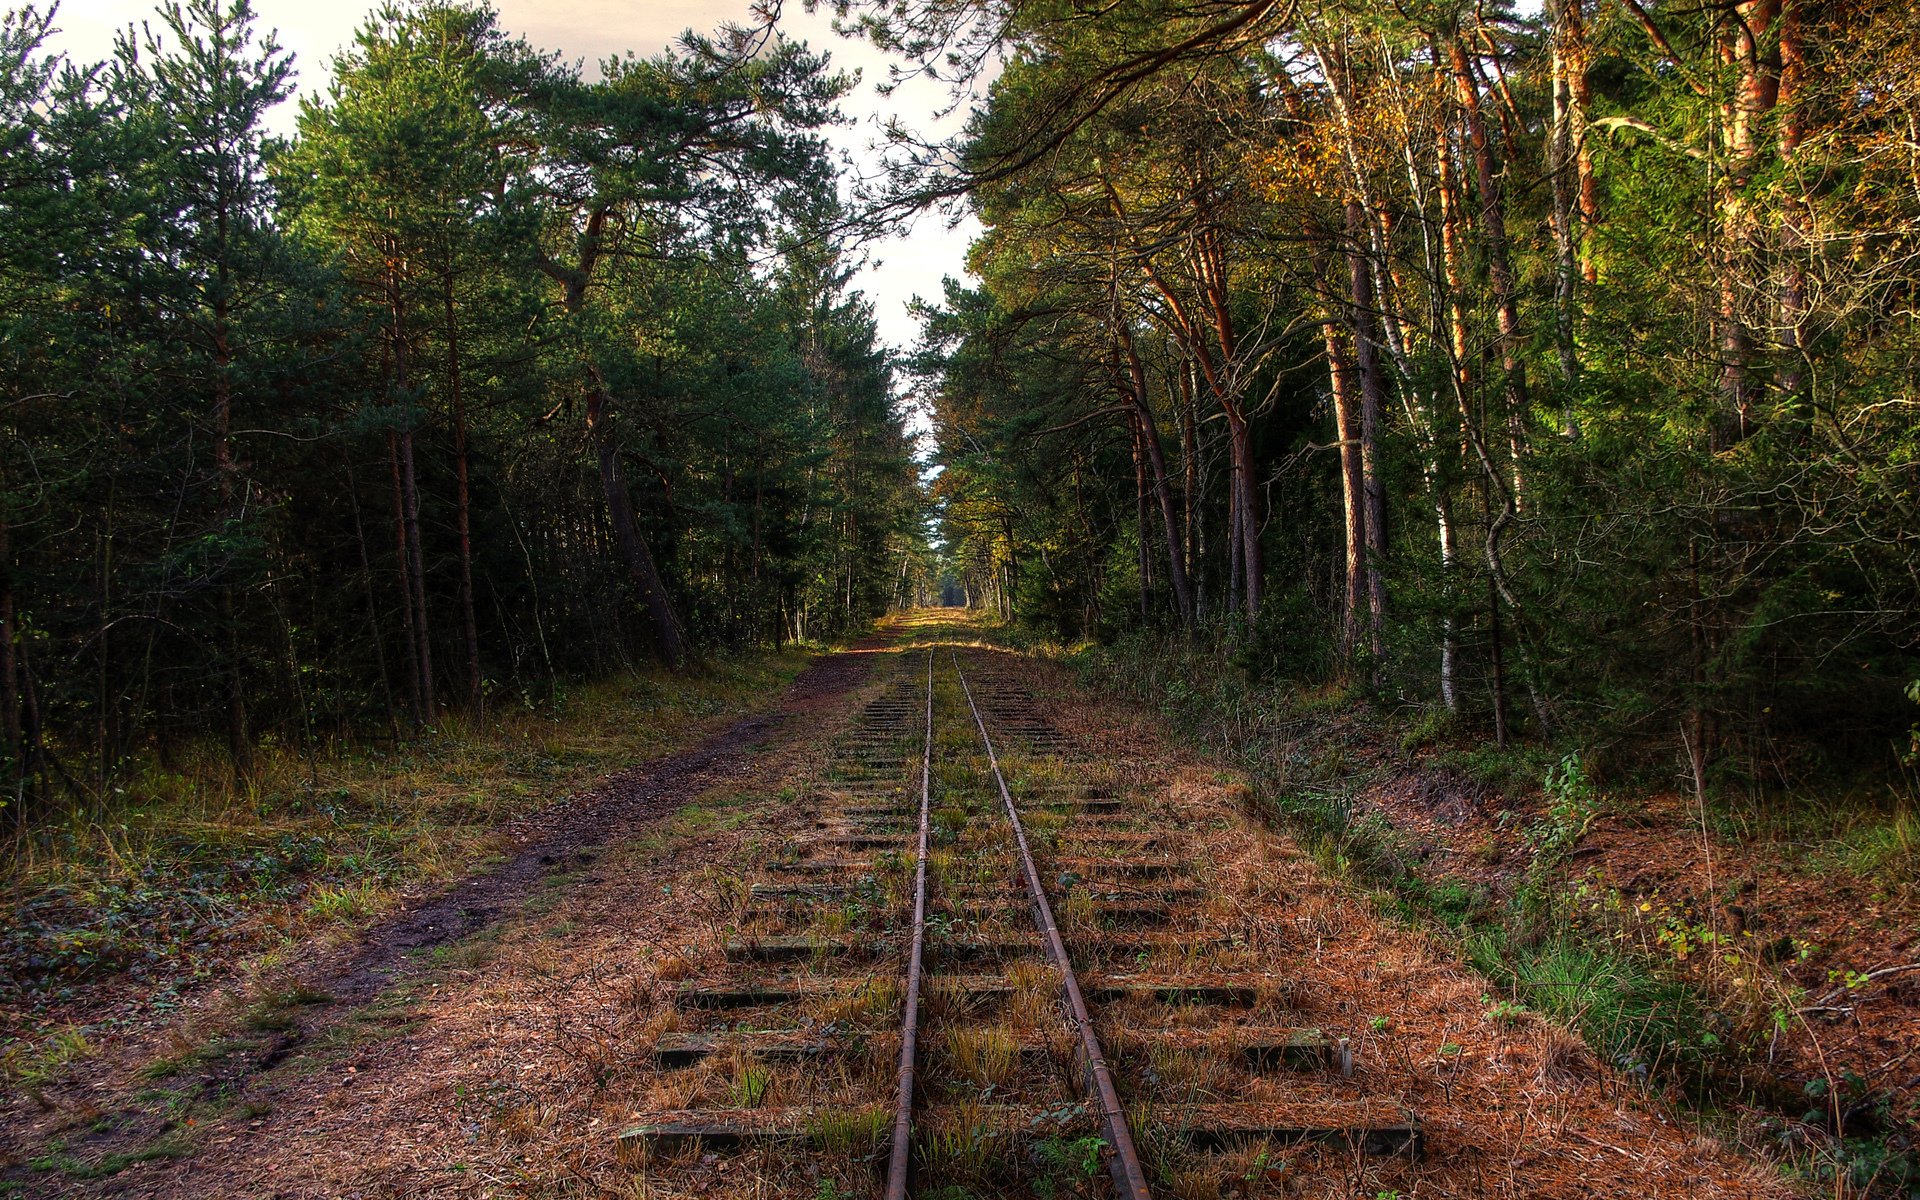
(667, 641)
(1756, 88)
(1563, 172)
(1346, 425)
(1144, 555)
(1156, 460)
(239, 740)
(366, 582)
(12, 747)
(1500, 278)
(463, 505)
(1373, 400)
(410, 503)
(403, 562)
(1240, 437)
(1796, 218)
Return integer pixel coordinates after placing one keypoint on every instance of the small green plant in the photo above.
(1377, 1024)
(345, 903)
(1077, 1158)
(1573, 805)
(854, 1133)
(32, 1065)
(750, 1085)
(1504, 1014)
(1913, 734)
(1263, 1166)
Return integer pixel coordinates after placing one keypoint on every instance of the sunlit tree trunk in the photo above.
(1756, 88)
(1796, 216)
(1565, 177)
(1373, 400)
(1500, 279)
(1346, 424)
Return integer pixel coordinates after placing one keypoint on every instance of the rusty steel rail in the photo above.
(899, 1154)
(1128, 1176)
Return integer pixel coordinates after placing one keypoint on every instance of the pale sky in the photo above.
(904, 266)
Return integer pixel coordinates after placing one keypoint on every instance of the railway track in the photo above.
(991, 968)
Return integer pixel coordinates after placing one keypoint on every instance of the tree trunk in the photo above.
(1234, 543)
(239, 740)
(1756, 90)
(1494, 654)
(1346, 426)
(410, 508)
(1796, 223)
(403, 562)
(667, 641)
(1252, 563)
(1373, 400)
(1500, 279)
(463, 503)
(12, 748)
(1449, 551)
(1140, 514)
(1562, 170)
(1191, 501)
(1587, 193)
(373, 607)
(1156, 459)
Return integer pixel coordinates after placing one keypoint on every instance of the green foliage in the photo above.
(303, 423)
(1642, 1023)
(1068, 1163)
(180, 870)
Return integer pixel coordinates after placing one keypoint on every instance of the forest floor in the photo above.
(1803, 946)
(1760, 959)
(488, 1040)
(1833, 951)
(120, 913)
(163, 955)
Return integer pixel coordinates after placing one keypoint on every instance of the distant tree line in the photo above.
(494, 374)
(1555, 369)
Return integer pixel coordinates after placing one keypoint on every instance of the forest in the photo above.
(1449, 469)
(1549, 370)
(1554, 370)
(492, 376)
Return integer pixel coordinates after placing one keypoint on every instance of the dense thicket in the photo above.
(1557, 369)
(492, 374)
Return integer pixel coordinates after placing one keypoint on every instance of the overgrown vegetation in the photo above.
(1657, 987)
(182, 869)
(492, 379)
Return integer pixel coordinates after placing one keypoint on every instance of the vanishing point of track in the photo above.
(1133, 1046)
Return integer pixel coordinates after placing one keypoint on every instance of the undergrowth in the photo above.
(1664, 996)
(176, 867)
